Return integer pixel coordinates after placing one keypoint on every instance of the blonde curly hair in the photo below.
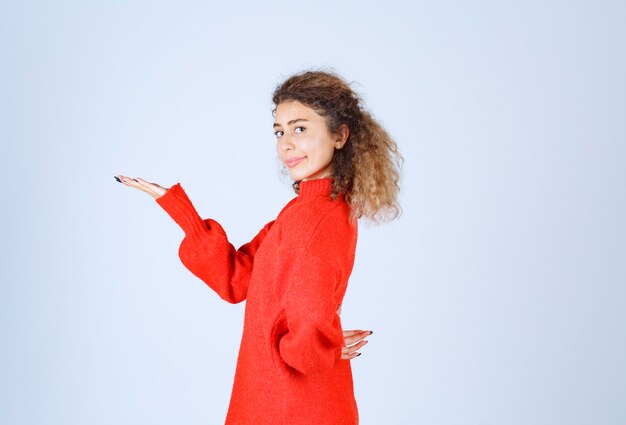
(367, 168)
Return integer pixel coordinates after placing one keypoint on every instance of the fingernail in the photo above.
(358, 354)
(117, 179)
(371, 332)
(136, 180)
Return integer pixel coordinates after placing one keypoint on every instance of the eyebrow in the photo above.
(290, 122)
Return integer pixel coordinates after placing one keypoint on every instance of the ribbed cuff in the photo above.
(176, 203)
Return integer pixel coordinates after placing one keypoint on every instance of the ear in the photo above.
(343, 132)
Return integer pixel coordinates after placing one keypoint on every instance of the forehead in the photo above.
(287, 111)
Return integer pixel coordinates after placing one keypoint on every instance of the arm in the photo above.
(206, 251)
(317, 276)
(314, 339)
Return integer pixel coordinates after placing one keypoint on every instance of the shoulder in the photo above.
(322, 228)
(291, 202)
(334, 234)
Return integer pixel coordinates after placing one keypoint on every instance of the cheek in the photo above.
(319, 149)
(327, 151)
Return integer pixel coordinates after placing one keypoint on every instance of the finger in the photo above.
(143, 182)
(356, 337)
(351, 332)
(128, 181)
(153, 189)
(150, 188)
(350, 356)
(145, 186)
(353, 348)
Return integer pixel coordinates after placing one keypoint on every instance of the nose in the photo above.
(285, 143)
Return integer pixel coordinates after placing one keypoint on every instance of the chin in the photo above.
(305, 174)
(298, 176)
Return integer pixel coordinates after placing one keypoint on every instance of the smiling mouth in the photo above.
(293, 162)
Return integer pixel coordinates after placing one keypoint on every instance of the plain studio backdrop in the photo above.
(498, 297)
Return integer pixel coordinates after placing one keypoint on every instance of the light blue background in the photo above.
(497, 298)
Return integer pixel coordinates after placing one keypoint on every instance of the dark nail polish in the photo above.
(136, 180)
(117, 179)
(359, 354)
(371, 332)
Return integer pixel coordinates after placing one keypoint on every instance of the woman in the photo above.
(294, 360)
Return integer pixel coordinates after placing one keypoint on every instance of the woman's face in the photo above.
(303, 141)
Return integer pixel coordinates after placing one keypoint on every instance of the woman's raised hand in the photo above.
(151, 189)
(354, 337)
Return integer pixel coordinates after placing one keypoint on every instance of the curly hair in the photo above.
(367, 168)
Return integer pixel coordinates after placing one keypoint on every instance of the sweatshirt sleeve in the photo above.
(206, 251)
(314, 338)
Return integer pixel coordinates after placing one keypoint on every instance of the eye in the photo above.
(301, 128)
(276, 133)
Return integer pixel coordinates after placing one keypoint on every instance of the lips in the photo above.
(292, 162)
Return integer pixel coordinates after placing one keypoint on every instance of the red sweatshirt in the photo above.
(293, 275)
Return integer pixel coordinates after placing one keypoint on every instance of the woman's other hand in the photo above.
(151, 189)
(355, 339)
